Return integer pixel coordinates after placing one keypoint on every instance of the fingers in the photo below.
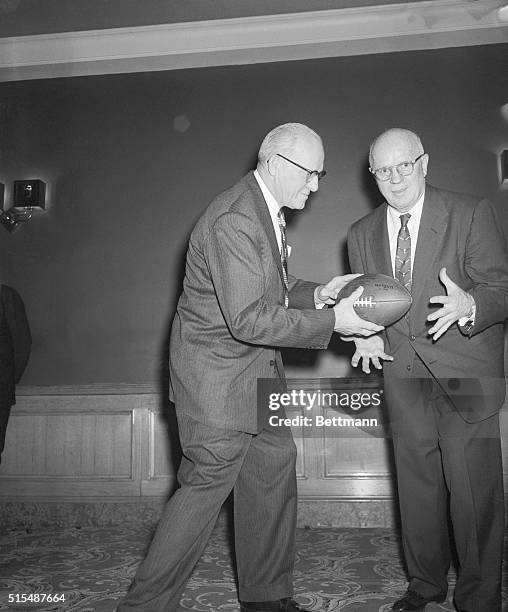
(443, 275)
(344, 280)
(437, 330)
(437, 314)
(355, 295)
(439, 299)
(348, 323)
(368, 329)
(367, 359)
(440, 332)
(337, 283)
(319, 293)
(447, 281)
(369, 354)
(365, 365)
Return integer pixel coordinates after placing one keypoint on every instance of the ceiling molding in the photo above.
(317, 34)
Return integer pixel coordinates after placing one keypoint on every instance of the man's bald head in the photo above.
(394, 137)
(399, 165)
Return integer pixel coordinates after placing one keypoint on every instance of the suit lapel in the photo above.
(263, 214)
(430, 235)
(379, 243)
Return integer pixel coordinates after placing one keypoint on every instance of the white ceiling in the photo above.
(426, 24)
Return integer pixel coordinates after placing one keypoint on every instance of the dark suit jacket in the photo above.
(459, 232)
(15, 342)
(231, 319)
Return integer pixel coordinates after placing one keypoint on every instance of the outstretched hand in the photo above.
(368, 350)
(457, 303)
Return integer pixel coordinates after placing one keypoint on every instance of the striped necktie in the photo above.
(403, 255)
(284, 254)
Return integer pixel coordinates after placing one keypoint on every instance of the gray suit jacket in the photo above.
(459, 232)
(230, 319)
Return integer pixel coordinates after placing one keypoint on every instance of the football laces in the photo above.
(365, 302)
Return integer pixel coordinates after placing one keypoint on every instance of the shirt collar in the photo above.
(415, 212)
(271, 202)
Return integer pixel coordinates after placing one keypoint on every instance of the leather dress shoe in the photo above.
(282, 605)
(413, 601)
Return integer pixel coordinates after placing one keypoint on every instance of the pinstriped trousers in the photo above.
(260, 469)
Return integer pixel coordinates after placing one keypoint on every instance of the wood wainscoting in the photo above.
(119, 444)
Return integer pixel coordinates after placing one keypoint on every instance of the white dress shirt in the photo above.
(273, 208)
(413, 225)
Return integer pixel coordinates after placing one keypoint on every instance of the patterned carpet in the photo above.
(349, 570)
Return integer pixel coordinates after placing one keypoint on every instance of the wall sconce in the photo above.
(28, 195)
(504, 166)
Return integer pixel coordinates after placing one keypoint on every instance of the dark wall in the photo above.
(101, 270)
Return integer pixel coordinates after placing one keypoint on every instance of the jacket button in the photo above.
(272, 362)
(408, 368)
(412, 338)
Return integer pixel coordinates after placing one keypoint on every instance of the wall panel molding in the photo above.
(118, 444)
(428, 24)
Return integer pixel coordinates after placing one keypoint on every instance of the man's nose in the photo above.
(395, 175)
(314, 183)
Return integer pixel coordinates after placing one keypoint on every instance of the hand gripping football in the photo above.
(384, 300)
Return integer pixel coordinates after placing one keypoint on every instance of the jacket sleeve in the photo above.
(354, 253)
(235, 259)
(486, 264)
(301, 293)
(19, 329)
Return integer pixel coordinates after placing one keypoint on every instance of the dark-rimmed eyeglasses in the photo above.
(310, 173)
(405, 168)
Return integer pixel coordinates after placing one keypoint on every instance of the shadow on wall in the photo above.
(368, 186)
(168, 413)
(309, 358)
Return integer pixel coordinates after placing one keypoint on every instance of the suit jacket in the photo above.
(459, 232)
(15, 342)
(230, 319)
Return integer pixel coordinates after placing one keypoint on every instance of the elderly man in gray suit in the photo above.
(238, 306)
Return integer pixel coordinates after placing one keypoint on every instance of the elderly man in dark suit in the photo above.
(444, 386)
(15, 342)
(238, 306)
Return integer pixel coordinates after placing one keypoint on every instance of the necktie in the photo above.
(284, 254)
(403, 254)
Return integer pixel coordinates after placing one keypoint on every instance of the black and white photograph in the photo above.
(253, 305)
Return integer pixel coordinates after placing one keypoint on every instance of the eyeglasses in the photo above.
(310, 173)
(405, 168)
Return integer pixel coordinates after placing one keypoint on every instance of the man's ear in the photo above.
(272, 163)
(425, 161)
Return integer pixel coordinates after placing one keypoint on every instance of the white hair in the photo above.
(283, 139)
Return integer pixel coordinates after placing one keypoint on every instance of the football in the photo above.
(384, 300)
